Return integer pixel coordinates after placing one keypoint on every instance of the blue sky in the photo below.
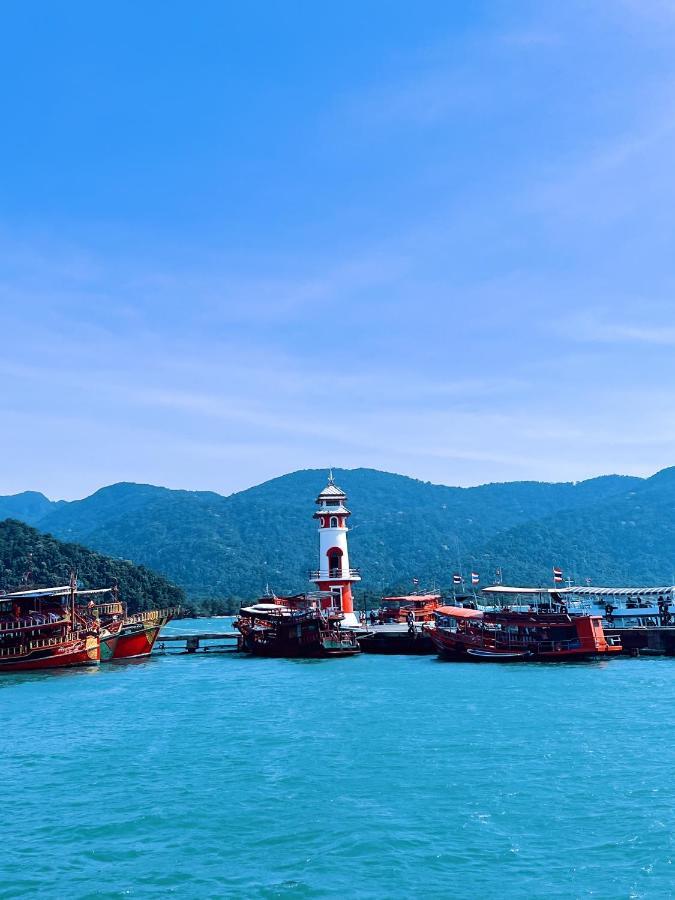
(242, 239)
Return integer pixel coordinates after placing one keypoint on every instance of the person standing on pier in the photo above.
(411, 621)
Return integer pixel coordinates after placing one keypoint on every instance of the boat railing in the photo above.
(152, 615)
(110, 609)
(38, 644)
(30, 622)
(550, 646)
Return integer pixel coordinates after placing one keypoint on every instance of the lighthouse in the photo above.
(334, 573)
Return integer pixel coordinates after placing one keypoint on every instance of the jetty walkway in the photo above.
(204, 641)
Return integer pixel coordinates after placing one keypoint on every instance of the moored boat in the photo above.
(505, 635)
(124, 635)
(297, 626)
(43, 629)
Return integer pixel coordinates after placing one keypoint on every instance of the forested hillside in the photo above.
(613, 529)
(29, 557)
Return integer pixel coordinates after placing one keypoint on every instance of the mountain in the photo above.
(30, 507)
(27, 556)
(232, 547)
(628, 539)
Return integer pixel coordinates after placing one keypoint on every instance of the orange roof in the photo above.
(459, 612)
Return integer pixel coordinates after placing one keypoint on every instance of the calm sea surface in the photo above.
(216, 775)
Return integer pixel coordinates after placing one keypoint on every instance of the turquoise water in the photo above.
(216, 775)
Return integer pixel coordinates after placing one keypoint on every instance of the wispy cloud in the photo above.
(605, 327)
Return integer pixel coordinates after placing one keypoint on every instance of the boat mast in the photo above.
(73, 585)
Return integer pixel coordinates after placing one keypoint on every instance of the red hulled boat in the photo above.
(504, 635)
(44, 629)
(127, 635)
(299, 626)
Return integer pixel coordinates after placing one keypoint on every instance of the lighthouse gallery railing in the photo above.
(325, 574)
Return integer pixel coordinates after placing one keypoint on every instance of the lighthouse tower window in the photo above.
(333, 522)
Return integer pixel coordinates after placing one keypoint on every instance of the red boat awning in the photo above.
(459, 612)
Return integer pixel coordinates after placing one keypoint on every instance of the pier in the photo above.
(198, 641)
(395, 638)
(650, 640)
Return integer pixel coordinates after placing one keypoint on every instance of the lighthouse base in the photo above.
(350, 620)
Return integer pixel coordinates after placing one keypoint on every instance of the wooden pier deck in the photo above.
(199, 641)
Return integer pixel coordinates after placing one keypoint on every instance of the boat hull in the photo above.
(290, 650)
(80, 652)
(132, 638)
(453, 646)
(305, 641)
(131, 644)
(108, 646)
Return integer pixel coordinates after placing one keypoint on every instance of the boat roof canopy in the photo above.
(38, 592)
(619, 592)
(581, 591)
(459, 612)
(508, 589)
(411, 597)
(49, 592)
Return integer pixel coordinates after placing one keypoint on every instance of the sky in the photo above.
(240, 239)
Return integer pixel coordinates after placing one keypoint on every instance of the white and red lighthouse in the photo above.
(334, 574)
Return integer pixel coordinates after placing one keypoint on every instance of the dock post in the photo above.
(192, 644)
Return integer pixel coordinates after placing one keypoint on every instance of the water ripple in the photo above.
(211, 776)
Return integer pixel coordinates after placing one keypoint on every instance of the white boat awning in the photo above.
(583, 591)
(507, 589)
(619, 591)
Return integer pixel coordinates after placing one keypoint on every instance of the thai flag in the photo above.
(456, 579)
(557, 575)
(416, 581)
(475, 578)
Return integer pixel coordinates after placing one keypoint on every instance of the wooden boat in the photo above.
(396, 609)
(505, 635)
(43, 629)
(297, 626)
(124, 635)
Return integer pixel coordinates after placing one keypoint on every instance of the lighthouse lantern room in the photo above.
(334, 574)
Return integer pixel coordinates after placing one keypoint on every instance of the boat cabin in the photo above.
(455, 618)
(396, 609)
